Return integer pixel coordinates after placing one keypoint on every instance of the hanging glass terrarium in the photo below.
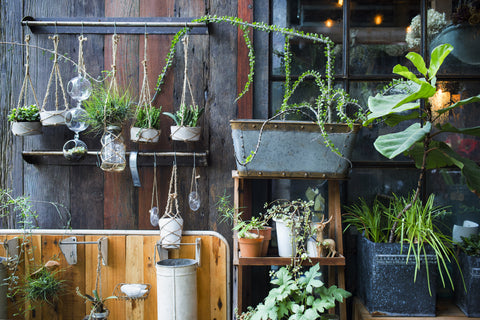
(113, 150)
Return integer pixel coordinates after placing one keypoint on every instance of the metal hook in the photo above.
(99, 161)
(175, 158)
(154, 159)
(194, 160)
(56, 31)
(114, 27)
(145, 28)
(82, 29)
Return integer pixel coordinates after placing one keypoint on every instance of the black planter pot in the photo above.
(469, 301)
(385, 280)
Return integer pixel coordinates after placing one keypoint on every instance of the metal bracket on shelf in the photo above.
(134, 169)
(11, 247)
(163, 253)
(69, 248)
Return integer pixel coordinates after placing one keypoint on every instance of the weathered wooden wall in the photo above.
(130, 260)
(108, 200)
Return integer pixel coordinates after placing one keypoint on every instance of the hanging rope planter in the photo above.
(171, 223)
(146, 128)
(25, 118)
(113, 148)
(186, 118)
(57, 116)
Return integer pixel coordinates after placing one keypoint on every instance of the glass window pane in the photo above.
(377, 34)
(321, 17)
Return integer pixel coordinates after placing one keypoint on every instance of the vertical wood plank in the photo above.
(113, 274)
(134, 309)
(245, 105)
(218, 279)
(150, 276)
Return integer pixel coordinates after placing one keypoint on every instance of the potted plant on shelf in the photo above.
(146, 127)
(294, 226)
(186, 123)
(99, 310)
(406, 264)
(467, 281)
(107, 111)
(253, 235)
(297, 296)
(25, 120)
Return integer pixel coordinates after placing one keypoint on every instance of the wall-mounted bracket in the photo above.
(11, 247)
(69, 248)
(163, 253)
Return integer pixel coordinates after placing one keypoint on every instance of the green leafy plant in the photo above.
(297, 296)
(330, 104)
(98, 303)
(420, 139)
(187, 115)
(417, 229)
(471, 245)
(148, 117)
(45, 284)
(28, 113)
(105, 108)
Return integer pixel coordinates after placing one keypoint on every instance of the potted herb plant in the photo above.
(25, 120)
(297, 296)
(467, 280)
(186, 123)
(99, 310)
(410, 263)
(107, 111)
(294, 227)
(146, 127)
(253, 235)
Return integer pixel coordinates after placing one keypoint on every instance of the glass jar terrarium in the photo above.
(113, 149)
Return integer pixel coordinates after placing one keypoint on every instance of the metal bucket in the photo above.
(293, 148)
(177, 289)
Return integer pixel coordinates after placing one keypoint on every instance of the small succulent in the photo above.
(29, 113)
(187, 115)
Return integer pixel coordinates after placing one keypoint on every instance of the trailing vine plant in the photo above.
(330, 104)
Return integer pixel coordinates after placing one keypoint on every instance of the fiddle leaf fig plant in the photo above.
(412, 99)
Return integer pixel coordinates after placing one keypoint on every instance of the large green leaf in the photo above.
(393, 119)
(381, 106)
(460, 103)
(426, 91)
(418, 62)
(436, 59)
(447, 127)
(404, 72)
(436, 157)
(391, 145)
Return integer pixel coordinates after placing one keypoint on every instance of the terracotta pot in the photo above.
(250, 247)
(267, 235)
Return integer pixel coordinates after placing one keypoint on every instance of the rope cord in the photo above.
(144, 101)
(98, 279)
(81, 63)
(186, 80)
(58, 78)
(155, 185)
(26, 80)
(113, 83)
(194, 176)
(172, 196)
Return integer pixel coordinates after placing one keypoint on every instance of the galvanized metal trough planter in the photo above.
(293, 149)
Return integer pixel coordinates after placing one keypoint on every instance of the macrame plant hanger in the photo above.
(113, 149)
(150, 134)
(171, 223)
(57, 116)
(23, 97)
(191, 134)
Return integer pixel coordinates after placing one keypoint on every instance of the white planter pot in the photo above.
(170, 232)
(468, 229)
(144, 135)
(52, 118)
(312, 250)
(286, 245)
(185, 133)
(26, 128)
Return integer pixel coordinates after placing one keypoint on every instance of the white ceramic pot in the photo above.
(179, 133)
(468, 229)
(170, 232)
(52, 118)
(312, 249)
(286, 245)
(144, 135)
(26, 128)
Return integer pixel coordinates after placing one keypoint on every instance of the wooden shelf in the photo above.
(145, 159)
(280, 261)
